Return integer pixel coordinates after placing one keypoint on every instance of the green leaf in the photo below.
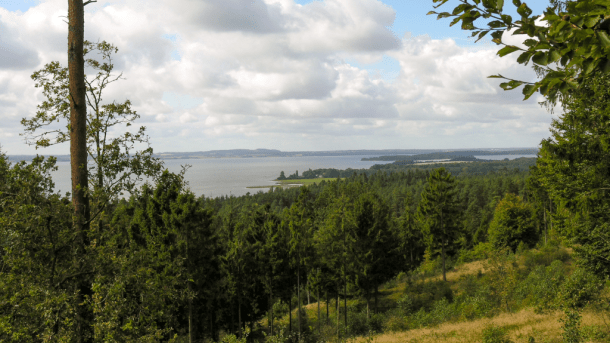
(544, 88)
(530, 42)
(507, 19)
(606, 66)
(499, 5)
(540, 58)
(524, 58)
(517, 3)
(603, 38)
(524, 11)
(577, 20)
(529, 90)
(431, 12)
(496, 77)
(507, 50)
(590, 21)
(554, 56)
(496, 24)
(510, 85)
(481, 35)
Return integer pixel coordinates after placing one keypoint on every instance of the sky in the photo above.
(279, 74)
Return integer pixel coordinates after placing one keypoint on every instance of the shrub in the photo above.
(395, 323)
(512, 224)
(495, 334)
(541, 287)
(479, 252)
(545, 256)
(580, 289)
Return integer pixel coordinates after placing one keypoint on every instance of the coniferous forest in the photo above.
(494, 252)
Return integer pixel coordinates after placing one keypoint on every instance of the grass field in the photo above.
(525, 325)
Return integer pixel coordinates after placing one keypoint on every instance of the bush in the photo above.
(580, 289)
(541, 287)
(479, 252)
(395, 323)
(545, 256)
(495, 334)
(512, 224)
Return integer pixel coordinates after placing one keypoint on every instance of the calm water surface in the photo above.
(231, 176)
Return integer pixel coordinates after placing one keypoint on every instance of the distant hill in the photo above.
(454, 155)
(384, 155)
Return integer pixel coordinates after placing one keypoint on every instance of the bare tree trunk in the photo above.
(327, 305)
(271, 311)
(443, 252)
(299, 300)
(319, 318)
(338, 316)
(345, 303)
(239, 314)
(78, 156)
(545, 229)
(376, 295)
(368, 301)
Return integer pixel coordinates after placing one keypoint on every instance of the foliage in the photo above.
(115, 168)
(566, 45)
(494, 334)
(38, 265)
(571, 327)
(512, 224)
(573, 167)
(439, 211)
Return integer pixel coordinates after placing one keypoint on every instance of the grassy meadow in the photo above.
(491, 300)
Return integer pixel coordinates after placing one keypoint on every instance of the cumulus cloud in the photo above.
(273, 74)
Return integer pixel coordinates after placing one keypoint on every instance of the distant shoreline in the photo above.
(266, 153)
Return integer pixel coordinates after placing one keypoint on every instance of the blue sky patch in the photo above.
(18, 5)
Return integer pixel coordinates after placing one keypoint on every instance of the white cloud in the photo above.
(271, 73)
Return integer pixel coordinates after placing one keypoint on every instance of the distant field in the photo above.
(296, 183)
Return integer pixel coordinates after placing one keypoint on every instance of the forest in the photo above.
(168, 266)
(493, 252)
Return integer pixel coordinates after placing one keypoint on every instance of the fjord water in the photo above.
(215, 177)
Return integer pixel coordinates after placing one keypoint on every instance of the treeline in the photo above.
(451, 154)
(165, 263)
(477, 167)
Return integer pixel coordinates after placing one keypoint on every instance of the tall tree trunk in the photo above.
(319, 318)
(307, 286)
(345, 303)
(299, 299)
(78, 157)
(443, 246)
(233, 318)
(327, 309)
(368, 301)
(271, 311)
(545, 228)
(376, 296)
(192, 334)
(290, 314)
(239, 314)
(443, 253)
(338, 316)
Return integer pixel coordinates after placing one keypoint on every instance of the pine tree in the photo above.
(439, 209)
